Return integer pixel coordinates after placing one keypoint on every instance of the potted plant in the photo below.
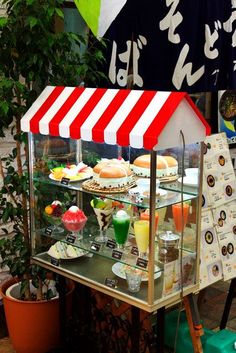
(32, 56)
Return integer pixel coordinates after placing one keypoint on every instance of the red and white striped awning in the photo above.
(114, 116)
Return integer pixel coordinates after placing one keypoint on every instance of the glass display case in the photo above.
(117, 216)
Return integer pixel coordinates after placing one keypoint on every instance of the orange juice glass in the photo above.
(146, 217)
(177, 215)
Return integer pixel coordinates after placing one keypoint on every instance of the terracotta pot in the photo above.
(33, 326)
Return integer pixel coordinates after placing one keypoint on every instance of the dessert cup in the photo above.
(180, 222)
(134, 279)
(146, 216)
(75, 226)
(121, 224)
(55, 223)
(103, 218)
(141, 232)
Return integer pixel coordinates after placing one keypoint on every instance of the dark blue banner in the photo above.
(183, 45)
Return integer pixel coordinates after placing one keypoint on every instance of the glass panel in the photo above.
(61, 168)
(177, 252)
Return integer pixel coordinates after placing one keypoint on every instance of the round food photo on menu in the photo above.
(220, 222)
(227, 108)
(223, 215)
(209, 237)
(203, 201)
(230, 248)
(211, 181)
(229, 190)
(221, 160)
(215, 270)
(224, 250)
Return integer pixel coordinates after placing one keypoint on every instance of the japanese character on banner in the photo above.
(184, 69)
(120, 62)
(172, 21)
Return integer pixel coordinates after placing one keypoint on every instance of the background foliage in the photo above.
(32, 56)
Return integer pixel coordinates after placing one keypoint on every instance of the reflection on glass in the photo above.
(161, 217)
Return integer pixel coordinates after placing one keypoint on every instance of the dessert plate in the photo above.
(83, 176)
(119, 270)
(188, 181)
(63, 251)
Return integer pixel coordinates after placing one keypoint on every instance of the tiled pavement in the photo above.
(211, 309)
(212, 306)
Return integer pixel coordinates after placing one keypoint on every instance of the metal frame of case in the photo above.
(88, 273)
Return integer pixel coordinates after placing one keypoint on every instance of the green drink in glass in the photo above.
(121, 223)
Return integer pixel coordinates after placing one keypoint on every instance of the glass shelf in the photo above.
(89, 244)
(97, 270)
(109, 249)
(176, 186)
(172, 196)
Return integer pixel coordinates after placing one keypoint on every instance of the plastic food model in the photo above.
(121, 223)
(74, 220)
(112, 173)
(166, 166)
(73, 172)
(53, 213)
(103, 209)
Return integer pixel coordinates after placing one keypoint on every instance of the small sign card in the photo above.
(112, 283)
(55, 262)
(48, 231)
(134, 251)
(116, 254)
(65, 181)
(70, 238)
(141, 262)
(111, 244)
(95, 246)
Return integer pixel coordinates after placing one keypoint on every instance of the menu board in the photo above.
(218, 219)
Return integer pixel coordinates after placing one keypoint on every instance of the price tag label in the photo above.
(65, 181)
(48, 231)
(116, 254)
(141, 262)
(111, 244)
(70, 238)
(55, 262)
(112, 283)
(134, 250)
(95, 246)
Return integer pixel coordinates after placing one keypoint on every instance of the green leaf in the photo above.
(4, 107)
(10, 170)
(2, 242)
(32, 21)
(50, 11)
(50, 294)
(59, 12)
(5, 215)
(3, 21)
